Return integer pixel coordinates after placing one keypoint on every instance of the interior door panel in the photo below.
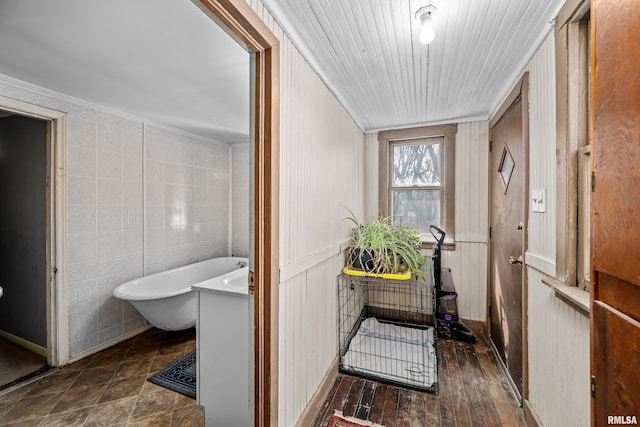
(615, 246)
(507, 240)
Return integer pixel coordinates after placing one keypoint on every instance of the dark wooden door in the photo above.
(615, 317)
(507, 239)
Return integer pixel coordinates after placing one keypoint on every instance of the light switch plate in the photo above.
(542, 200)
(535, 196)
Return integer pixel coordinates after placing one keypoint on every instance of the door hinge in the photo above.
(593, 386)
(252, 283)
(593, 181)
(489, 232)
(490, 146)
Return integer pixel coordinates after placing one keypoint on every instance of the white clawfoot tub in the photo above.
(166, 299)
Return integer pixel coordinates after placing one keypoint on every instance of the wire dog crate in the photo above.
(385, 329)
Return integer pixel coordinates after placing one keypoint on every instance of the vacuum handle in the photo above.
(439, 231)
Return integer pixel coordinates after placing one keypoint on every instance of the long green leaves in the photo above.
(394, 248)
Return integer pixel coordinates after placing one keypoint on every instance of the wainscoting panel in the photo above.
(468, 265)
(308, 335)
(559, 379)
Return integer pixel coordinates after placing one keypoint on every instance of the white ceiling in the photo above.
(369, 53)
(161, 60)
(166, 61)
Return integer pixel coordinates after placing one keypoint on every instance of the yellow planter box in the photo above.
(395, 276)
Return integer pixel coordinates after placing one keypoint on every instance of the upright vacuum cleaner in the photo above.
(448, 325)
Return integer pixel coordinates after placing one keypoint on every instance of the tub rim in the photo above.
(120, 293)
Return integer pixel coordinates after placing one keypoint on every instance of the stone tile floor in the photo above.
(109, 388)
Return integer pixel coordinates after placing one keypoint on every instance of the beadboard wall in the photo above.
(558, 334)
(542, 155)
(468, 261)
(559, 378)
(321, 173)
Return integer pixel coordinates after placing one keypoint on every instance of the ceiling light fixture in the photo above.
(424, 15)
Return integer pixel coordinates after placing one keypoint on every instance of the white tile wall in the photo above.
(240, 176)
(104, 227)
(186, 183)
(186, 191)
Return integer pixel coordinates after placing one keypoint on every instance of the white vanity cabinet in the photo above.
(222, 351)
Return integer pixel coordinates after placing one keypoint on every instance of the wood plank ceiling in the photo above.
(369, 54)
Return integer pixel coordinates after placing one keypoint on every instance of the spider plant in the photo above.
(381, 247)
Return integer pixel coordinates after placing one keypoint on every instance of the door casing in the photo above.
(246, 27)
(57, 302)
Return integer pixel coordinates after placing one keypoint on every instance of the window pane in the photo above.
(506, 168)
(416, 165)
(416, 208)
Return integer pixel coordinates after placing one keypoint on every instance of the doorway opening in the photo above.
(24, 241)
(33, 306)
(250, 31)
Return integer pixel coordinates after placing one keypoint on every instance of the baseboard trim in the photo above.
(512, 384)
(312, 410)
(33, 347)
(475, 325)
(530, 416)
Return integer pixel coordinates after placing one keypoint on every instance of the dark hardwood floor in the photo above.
(472, 391)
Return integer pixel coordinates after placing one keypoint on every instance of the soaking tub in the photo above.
(166, 299)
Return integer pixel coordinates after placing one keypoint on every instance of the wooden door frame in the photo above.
(56, 228)
(520, 90)
(245, 26)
